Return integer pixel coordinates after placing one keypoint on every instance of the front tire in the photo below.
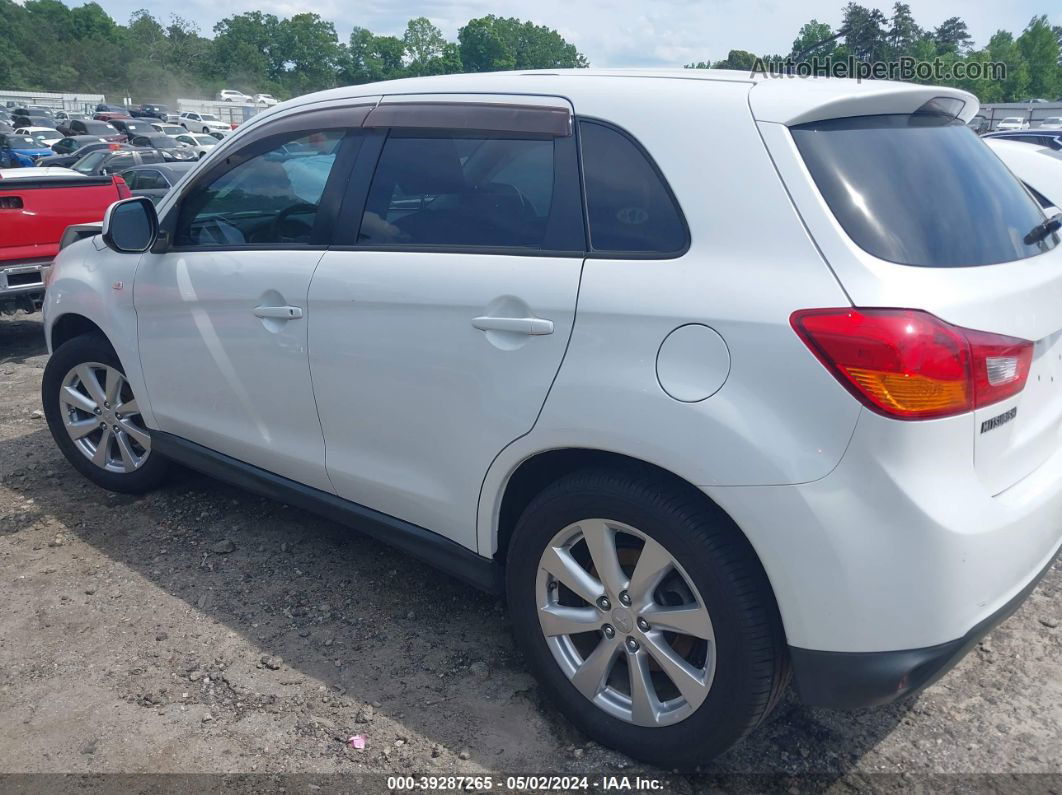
(645, 615)
(95, 420)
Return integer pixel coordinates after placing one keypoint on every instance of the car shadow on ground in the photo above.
(21, 338)
(377, 626)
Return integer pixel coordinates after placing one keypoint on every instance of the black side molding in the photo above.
(429, 547)
(850, 680)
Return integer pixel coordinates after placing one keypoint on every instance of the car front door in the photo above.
(222, 313)
(442, 311)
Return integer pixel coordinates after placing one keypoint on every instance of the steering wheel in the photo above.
(277, 224)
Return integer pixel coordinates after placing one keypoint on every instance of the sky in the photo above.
(617, 33)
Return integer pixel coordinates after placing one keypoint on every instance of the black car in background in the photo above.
(154, 181)
(132, 127)
(101, 162)
(67, 160)
(100, 129)
(149, 110)
(19, 120)
(161, 141)
(1052, 139)
(75, 143)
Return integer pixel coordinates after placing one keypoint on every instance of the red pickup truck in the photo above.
(36, 207)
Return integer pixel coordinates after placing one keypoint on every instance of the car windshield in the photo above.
(47, 135)
(21, 142)
(209, 117)
(89, 162)
(920, 189)
(205, 140)
(164, 142)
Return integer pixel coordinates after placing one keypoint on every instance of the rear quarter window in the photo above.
(630, 208)
(920, 189)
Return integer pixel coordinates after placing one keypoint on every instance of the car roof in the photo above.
(785, 100)
(31, 128)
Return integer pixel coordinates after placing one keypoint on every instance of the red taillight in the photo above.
(123, 188)
(908, 364)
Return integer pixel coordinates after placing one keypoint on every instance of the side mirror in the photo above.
(131, 225)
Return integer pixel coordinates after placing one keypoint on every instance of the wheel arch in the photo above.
(70, 325)
(538, 470)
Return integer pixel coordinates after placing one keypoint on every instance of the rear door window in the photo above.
(631, 210)
(446, 188)
(920, 189)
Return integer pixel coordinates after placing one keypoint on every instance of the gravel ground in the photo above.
(204, 630)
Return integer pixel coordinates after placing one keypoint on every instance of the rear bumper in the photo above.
(850, 680)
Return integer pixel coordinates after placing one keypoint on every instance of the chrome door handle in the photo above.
(278, 312)
(535, 326)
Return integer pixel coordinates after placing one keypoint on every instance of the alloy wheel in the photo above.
(625, 623)
(101, 415)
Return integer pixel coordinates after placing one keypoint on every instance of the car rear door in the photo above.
(222, 314)
(442, 311)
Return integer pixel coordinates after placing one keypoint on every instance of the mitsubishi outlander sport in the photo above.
(723, 380)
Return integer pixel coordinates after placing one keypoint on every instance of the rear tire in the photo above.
(82, 376)
(731, 670)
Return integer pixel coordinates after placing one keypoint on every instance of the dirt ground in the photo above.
(203, 630)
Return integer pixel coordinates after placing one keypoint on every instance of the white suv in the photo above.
(721, 379)
(204, 123)
(232, 95)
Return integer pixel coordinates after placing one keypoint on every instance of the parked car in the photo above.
(111, 113)
(231, 95)
(132, 127)
(168, 129)
(150, 110)
(64, 115)
(103, 162)
(76, 143)
(18, 150)
(20, 120)
(101, 129)
(174, 148)
(265, 99)
(41, 110)
(1038, 167)
(738, 459)
(1013, 123)
(201, 144)
(202, 122)
(154, 181)
(68, 160)
(6, 128)
(1049, 138)
(1051, 123)
(44, 135)
(219, 135)
(36, 206)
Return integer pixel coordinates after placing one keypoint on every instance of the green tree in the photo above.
(952, 36)
(904, 33)
(424, 45)
(741, 60)
(491, 43)
(865, 35)
(1004, 50)
(810, 35)
(1039, 47)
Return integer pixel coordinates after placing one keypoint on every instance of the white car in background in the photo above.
(1013, 123)
(46, 135)
(202, 122)
(168, 129)
(1051, 123)
(202, 144)
(498, 321)
(232, 95)
(1039, 167)
(265, 99)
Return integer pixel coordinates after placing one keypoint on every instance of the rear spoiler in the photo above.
(799, 100)
(76, 232)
